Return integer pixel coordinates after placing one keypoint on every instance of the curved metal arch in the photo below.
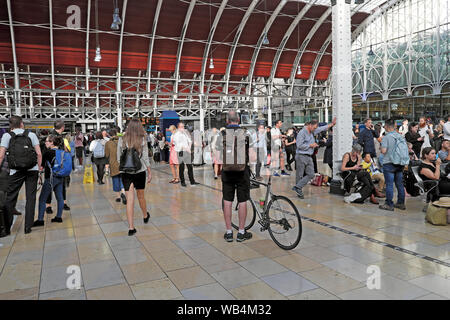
(119, 56)
(286, 37)
(322, 51)
(260, 41)
(236, 41)
(151, 45)
(209, 42)
(187, 19)
(305, 43)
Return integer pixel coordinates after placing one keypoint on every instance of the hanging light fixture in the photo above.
(371, 53)
(98, 56)
(265, 40)
(299, 70)
(211, 63)
(116, 17)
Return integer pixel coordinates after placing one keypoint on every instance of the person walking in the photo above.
(216, 152)
(111, 156)
(97, 148)
(173, 157)
(134, 144)
(306, 144)
(277, 158)
(183, 143)
(51, 182)
(261, 150)
(290, 148)
(24, 160)
(79, 145)
(235, 178)
(396, 156)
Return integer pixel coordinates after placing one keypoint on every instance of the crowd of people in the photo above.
(381, 156)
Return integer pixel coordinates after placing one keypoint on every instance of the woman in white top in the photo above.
(134, 137)
(97, 147)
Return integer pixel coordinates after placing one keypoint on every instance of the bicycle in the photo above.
(277, 214)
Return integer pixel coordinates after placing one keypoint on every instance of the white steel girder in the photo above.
(208, 44)
(286, 37)
(187, 19)
(305, 43)
(119, 101)
(86, 67)
(151, 45)
(260, 42)
(16, 67)
(235, 43)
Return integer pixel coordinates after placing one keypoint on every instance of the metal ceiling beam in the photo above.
(152, 42)
(52, 56)
(260, 42)
(305, 43)
(322, 51)
(286, 37)
(119, 56)
(236, 41)
(187, 19)
(86, 69)
(208, 44)
(13, 47)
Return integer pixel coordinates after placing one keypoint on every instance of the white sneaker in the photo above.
(352, 197)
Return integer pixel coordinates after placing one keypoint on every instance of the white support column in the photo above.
(269, 111)
(342, 82)
(97, 111)
(119, 103)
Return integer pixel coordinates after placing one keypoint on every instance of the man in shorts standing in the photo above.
(235, 175)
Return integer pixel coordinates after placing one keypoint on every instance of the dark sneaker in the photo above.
(147, 218)
(243, 236)
(16, 213)
(276, 174)
(66, 207)
(27, 230)
(194, 183)
(299, 192)
(38, 223)
(132, 232)
(400, 206)
(285, 174)
(183, 184)
(49, 210)
(118, 199)
(124, 198)
(386, 207)
(228, 237)
(56, 219)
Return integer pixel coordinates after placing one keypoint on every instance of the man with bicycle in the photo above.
(235, 175)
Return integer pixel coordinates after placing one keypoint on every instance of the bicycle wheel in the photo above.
(285, 225)
(251, 215)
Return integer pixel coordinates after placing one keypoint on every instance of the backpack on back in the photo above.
(130, 161)
(21, 154)
(234, 159)
(400, 155)
(99, 150)
(62, 166)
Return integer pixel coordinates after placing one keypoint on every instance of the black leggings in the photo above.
(100, 171)
(290, 157)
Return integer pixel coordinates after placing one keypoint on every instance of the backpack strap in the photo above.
(12, 134)
(25, 133)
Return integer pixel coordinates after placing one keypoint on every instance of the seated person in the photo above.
(369, 165)
(351, 169)
(444, 153)
(409, 181)
(430, 169)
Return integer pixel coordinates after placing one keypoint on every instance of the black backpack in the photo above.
(130, 161)
(21, 154)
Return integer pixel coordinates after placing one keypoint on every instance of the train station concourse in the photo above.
(227, 150)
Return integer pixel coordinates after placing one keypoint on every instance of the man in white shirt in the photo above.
(404, 127)
(182, 144)
(426, 132)
(277, 149)
(447, 129)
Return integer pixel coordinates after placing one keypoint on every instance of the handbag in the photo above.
(436, 216)
(317, 180)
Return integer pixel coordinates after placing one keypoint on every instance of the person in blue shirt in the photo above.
(306, 143)
(366, 138)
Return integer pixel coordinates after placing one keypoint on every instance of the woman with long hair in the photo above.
(173, 158)
(111, 155)
(135, 138)
(413, 137)
(216, 151)
(430, 169)
(290, 148)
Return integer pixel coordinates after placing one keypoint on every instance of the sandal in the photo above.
(172, 181)
(176, 181)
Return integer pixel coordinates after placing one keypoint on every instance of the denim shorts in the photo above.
(117, 183)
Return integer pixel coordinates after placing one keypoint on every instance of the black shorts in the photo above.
(138, 180)
(236, 181)
(79, 152)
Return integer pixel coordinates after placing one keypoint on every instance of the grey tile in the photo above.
(357, 253)
(101, 274)
(349, 267)
(208, 255)
(431, 296)
(363, 294)
(262, 266)
(399, 289)
(202, 228)
(58, 234)
(212, 291)
(288, 283)
(318, 253)
(67, 294)
(130, 256)
(191, 243)
(162, 221)
(54, 278)
(434, 283)
(396, 230)
(96, 238)
(124, 242)
(114, 227)
(234, 278)
(16, 258)
(60, 256)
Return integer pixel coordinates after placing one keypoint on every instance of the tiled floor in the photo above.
(181, 253)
